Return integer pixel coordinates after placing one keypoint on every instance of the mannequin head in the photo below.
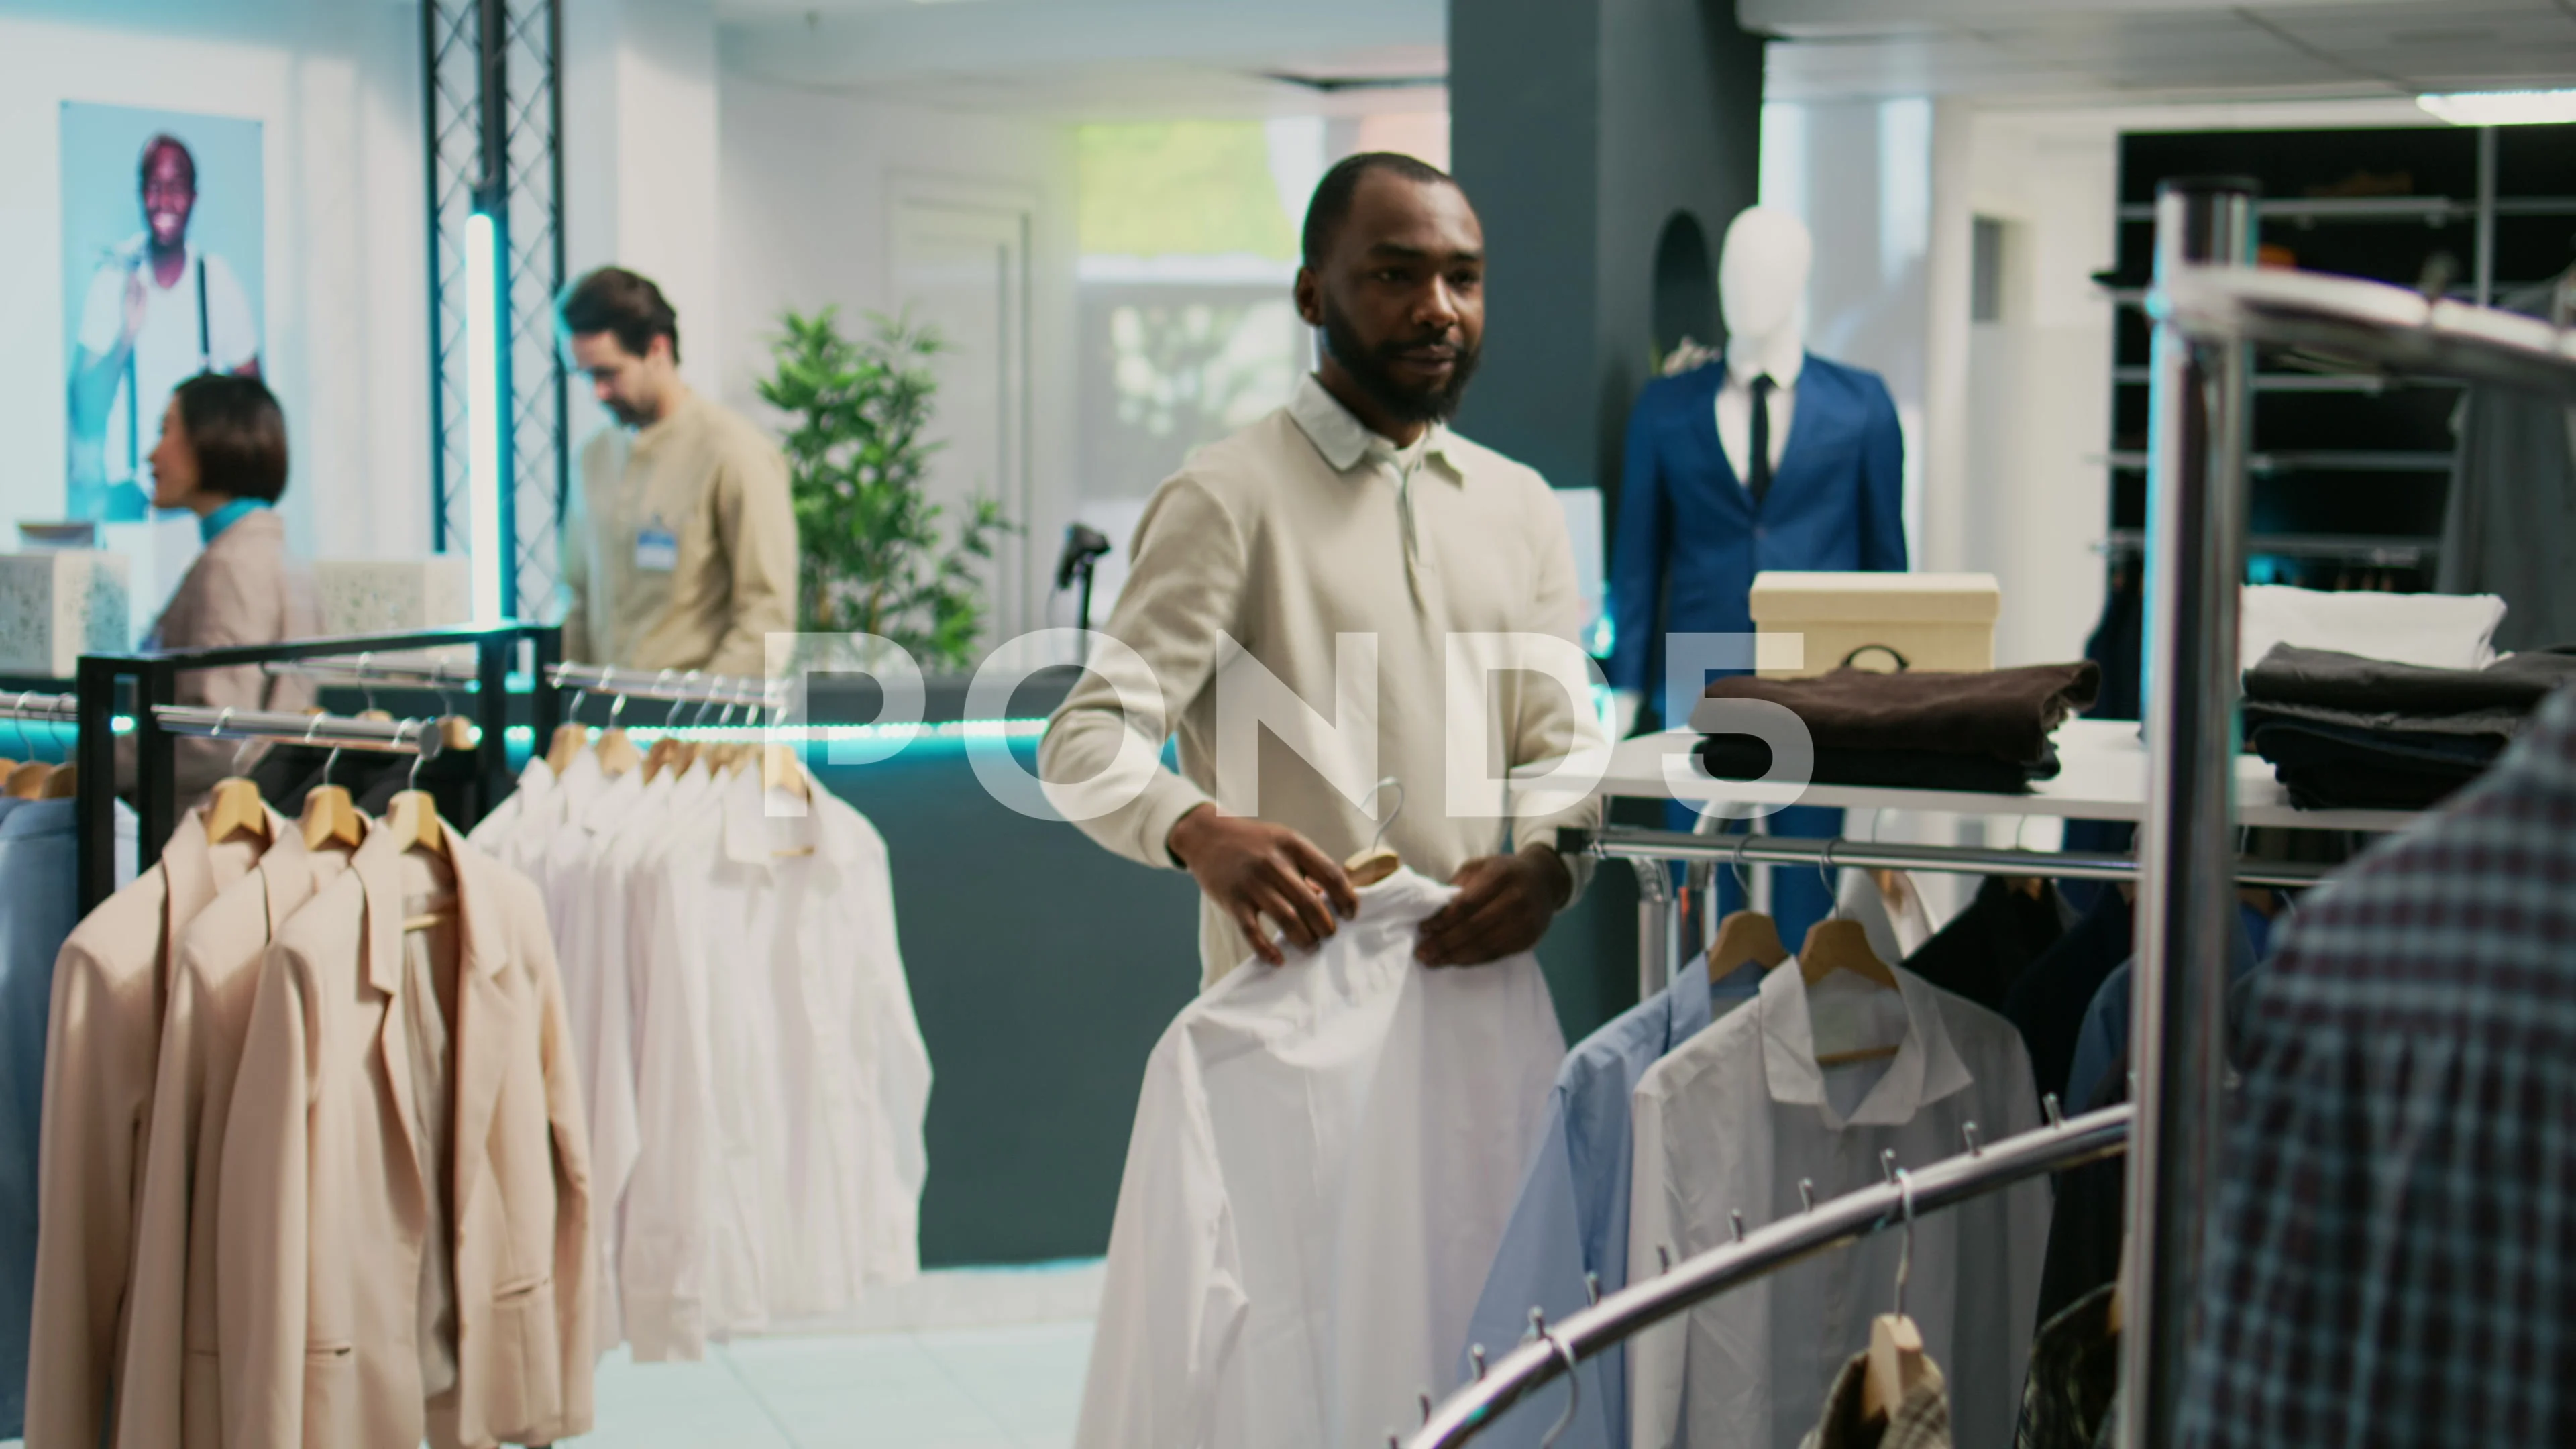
(1762, 274)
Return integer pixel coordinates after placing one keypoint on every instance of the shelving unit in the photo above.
(2349, 473)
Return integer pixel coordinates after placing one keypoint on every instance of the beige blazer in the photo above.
(102, 1049)
(168, 1390)
(322, 1208)
(244, 589)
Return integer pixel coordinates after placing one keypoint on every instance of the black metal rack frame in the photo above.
(156, 682)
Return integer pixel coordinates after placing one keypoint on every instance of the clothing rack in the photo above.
(37, 708)
(363, 670)
(155, 679)
(673, 685)
(1908, 1193)
(2211, 306)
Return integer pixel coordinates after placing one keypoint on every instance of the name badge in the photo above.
(657, 549)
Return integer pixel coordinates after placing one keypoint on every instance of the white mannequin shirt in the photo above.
(1782, 361)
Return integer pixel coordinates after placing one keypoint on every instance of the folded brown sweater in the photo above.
(2002, 714)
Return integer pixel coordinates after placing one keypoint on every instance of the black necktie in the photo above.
(1758, 467)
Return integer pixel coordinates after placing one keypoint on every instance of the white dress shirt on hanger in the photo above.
(1738, 1115)
(1323, 1159)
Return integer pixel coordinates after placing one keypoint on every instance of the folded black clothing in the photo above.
(2323, 678)
(2326, 767)
(2000, 714)
(1745, 757)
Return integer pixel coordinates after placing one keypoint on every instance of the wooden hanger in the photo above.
(330, 818)
(1747, 935)
(1839, 944)
(233, 809)
(1896, 1359)
(668, 753)
(781, 770)
(27, 781)
(412, 815)
(1377, 862)
(568, 743)
(63, 784)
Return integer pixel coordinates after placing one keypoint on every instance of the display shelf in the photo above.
(2307, 382)
(2102, 776)
(2373, 550)
(2317, 461)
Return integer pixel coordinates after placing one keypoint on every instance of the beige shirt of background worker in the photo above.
(709, 480)
(1302, 527)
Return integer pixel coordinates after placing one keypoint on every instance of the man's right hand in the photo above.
(1255, 870)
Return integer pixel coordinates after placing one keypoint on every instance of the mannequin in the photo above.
(1699, 514)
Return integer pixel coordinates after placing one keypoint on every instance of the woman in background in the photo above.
(222, 456)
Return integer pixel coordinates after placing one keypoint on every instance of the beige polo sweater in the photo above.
(716, 486)
(1298, 529)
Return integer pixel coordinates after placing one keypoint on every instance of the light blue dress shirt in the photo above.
(2104, 1041)
(38, 908)
(1572, 1215)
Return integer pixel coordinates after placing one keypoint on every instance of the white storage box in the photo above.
(394, 596)
(1930, 621)
(57, 605)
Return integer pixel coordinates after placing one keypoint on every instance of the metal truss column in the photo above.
(492, 73)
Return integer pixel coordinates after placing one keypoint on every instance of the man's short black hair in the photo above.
(1332, 204)
(615, 300)
(158, 144)
(238, 433)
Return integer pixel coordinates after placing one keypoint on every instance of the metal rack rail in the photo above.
(1976, 1170)
(672, 685)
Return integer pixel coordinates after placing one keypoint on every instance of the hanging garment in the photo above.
(2387, 1259)
(2087, 1220)
(1323, 1158)
(1893, 915)
(324, 1201)
(1920, 1421)
(1688, 536)
(2049, 1000)
(39, 896)
(498, 832)
(168, 1390)
(102, 1053)
(1571, 1218)
(2431, 631)
(781, 1075)
(1736, 1117)
(2072, 1397)
(2104, 1038)
(1994, 940)
(2509, 520)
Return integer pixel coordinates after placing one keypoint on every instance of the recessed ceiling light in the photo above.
(2502, 108)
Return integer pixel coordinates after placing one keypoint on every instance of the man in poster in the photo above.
(160, 310)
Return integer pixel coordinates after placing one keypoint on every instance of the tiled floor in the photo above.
(971, 1388)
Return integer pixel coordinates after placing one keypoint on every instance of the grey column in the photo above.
(1580, 129)
(2186, 845)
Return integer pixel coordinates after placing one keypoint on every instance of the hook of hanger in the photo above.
(1379, 838)
(1476, 1359)
(1744, 877)
(1825, 872)
(329, 760)
(18, 722)
(366, 680)
(680, 702)
(1807, 1194)
(1573, 1389)
(1905, 1251)
(419, 756)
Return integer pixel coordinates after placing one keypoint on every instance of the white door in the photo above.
(962, 267)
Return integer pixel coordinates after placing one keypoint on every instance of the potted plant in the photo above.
(876, 559)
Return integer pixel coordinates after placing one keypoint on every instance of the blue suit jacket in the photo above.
(1689, 540)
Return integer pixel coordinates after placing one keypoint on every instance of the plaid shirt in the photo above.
(2394, 1260)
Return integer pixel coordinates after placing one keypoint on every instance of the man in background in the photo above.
(160, 310)
(679, 546)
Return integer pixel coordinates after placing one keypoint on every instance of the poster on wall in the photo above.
(162, 280)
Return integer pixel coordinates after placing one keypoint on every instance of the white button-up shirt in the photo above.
(781, 1078)
(1737, 1116)
(1323, 1159)
(1735, 408)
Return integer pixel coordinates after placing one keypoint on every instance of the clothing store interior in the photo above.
(1581, 724)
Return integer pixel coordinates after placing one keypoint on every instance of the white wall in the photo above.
(809, 183)
(335, 84)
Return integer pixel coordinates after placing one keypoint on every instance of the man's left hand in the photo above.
(1503, 905)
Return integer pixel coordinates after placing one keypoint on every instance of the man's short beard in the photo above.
(1369, 368)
